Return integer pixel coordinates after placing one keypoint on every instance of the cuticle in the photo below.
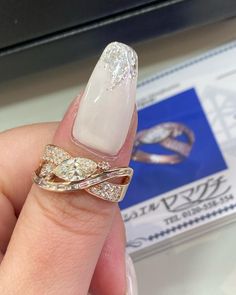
(94, 152)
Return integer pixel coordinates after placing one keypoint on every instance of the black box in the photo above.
(39, 34)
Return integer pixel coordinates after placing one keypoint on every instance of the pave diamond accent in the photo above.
(107, 191)
(155, 135)
(60, 172)
(75, 169)
(46, 170)
(121, 61)
(55, 155)
(104, 166)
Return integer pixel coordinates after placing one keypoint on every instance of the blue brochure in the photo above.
(184, 157)
(205, 158)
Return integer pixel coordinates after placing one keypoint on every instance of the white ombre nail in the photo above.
(131, 287)
(107, 105)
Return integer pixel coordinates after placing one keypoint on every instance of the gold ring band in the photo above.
(165, 135)
(60, 172)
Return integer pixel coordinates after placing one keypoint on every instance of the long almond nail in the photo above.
(131, 288)
(107, 105)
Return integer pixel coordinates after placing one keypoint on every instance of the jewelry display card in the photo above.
(184, 156)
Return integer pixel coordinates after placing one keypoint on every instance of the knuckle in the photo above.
(79, 214)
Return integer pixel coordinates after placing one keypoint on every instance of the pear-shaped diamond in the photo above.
(75, 169)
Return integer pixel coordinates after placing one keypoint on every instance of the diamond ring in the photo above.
(60, 172)
(174, 137)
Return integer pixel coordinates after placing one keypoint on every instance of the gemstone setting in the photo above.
(75, 169)
(107, 191)
(61, 172)
(104, 166)
(55, 154)
(46, 170)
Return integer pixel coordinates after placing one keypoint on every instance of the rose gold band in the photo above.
(60, 172)
(165, 135)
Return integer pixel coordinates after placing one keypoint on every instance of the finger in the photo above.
(58, 238)
(17, 182)
(15, 171)
(7, 222)
(16, 165)
(109, 273)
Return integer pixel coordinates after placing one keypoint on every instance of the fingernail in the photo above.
(107, 105)
(131, 285)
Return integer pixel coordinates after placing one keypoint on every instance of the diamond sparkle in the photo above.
(46, 170)
(75, 169)
(104, 165)
(55, 155)
(107, 191)
(61, 172)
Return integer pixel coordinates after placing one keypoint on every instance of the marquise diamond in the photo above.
(75, 169)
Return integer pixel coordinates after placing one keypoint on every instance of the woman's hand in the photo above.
(68, 243)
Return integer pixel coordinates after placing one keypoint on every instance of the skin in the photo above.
(54, 243)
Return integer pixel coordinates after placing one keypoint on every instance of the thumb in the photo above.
(59, 236)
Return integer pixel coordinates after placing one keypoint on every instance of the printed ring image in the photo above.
(165, 135)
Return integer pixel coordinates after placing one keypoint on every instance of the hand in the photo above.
(69, 243)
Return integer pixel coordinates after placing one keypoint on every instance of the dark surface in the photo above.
(132, 25)
(22, 20)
